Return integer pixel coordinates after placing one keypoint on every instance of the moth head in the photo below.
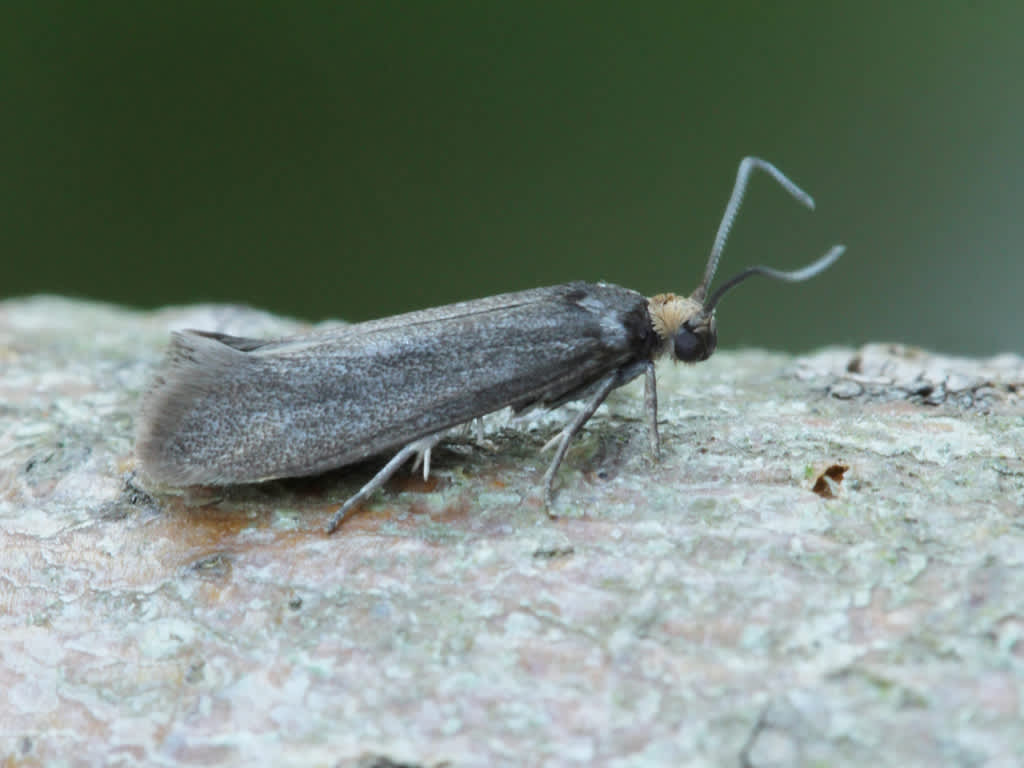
(686, 332)
(686, 326)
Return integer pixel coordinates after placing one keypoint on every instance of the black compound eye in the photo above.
(692, 346)
(687, 345)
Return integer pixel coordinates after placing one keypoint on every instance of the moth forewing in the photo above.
(224, 410)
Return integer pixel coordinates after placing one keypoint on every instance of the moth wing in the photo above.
(226, 410)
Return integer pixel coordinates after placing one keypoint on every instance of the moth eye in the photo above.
(687, 346)
(694, 346)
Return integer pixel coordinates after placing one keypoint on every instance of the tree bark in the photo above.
(826, 565)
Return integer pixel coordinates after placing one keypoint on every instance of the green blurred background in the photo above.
(353, 160)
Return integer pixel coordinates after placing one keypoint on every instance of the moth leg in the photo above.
(421, 446)
(651, 406)
(423, 457)
(572, 429)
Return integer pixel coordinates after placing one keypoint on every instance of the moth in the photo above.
(226, 410)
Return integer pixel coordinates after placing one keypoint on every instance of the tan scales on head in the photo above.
(669, 312)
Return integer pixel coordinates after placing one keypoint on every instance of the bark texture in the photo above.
(826, 567)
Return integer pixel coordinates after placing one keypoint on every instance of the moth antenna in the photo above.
(796, 276)
(747, 166)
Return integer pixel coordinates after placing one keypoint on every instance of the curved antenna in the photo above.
(796, 276)
(747, 166)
